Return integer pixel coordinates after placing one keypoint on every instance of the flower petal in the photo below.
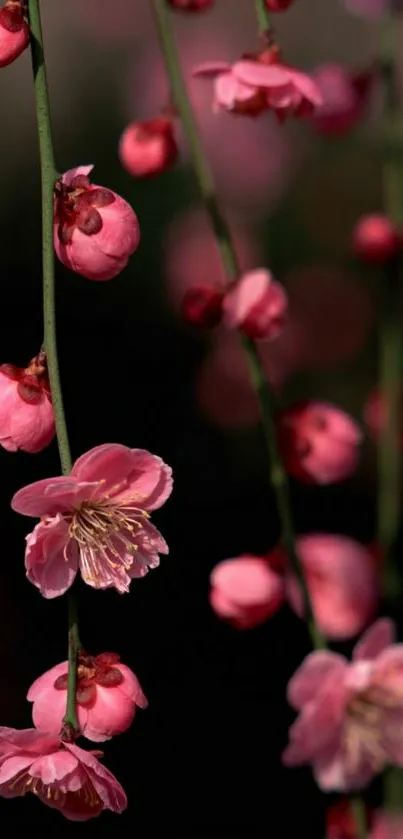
(375, 640)
(304, 686)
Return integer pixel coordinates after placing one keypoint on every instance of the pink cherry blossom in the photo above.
(107, 695)
(95, 230)
(350, 723)
(375, 239)
(60, 774)
(255, 84)
(96, 520)
(342, 580)
(256, 304)
(14, 31)
(345, 97)
(26, 414)
(148, 148)
(245, 591)
(319, 443)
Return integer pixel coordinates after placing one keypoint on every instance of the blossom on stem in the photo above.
(319, 443)
(345, 97)
(375, 239)
(26, 414)
(261, 82)
(342, 580)
(256, 304)
(60, 774)
(95, 230)
(107, 695)
(96, 520)
(245, 591)
(350, 723)
(148, 148)
(14, 31)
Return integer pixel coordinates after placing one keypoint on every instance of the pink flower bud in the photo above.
(375, 239)
(278, 5)
(148, 148)
(95, 230)
(26, 414)
(14, 31)
(319, 443)
(191, 5)
(107, 696)
(257, 304)
(202, 306)
(345, 97)
(245, 591)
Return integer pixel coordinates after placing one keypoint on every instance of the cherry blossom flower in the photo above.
(107, 695)
(14, 31)
(26, 414)
(350, 723)
(319, 443)
(261, 82)
(60, 774)
(245, 591)
(256, 304)
(96, 520)
(148, 148)
(95, 230)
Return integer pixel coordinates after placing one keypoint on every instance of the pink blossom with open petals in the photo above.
(14, 31)
(245, 591)
(60, 774)
(319, 443)
(257, 304)
(107, 695)
(96, 520)
(27, 420)
(342, 579)
(350, 723)
(345, 97)
(95, 230)
(255, 84)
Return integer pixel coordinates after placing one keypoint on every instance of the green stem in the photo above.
(262, 17)
(48, 177)
(359, 816)
(231, 267)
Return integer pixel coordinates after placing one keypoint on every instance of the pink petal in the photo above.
(375, 640)
(53, 767)
(109, 790)
(69, 176)
(131, 686)
(51, 557)
(50, 496)
(28, 739)
(229, 91)
(13, 765)
(244, 295)
(261, 75)
(309, 678)
(246, 580)
(307, 87)
(46, 681)
(211, 68)
(48, 710)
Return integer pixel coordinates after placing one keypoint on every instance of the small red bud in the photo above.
(202, 306)
(191, 5)
(375, 239)
(278, 5)
(148, 148)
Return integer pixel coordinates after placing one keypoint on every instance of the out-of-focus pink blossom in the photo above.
(278, 5)
(95, 230)
(350, 723)
(387, 826)
(371, 9)
(107, 695)
(191, 5)
(256, 304)
(14, 31)
(345, 97)
(27, 419)
(148, 148)
(60, 774)
(96, 520)
(375, 239)
(342, 580)
(202, 306)
(319, 443)
(245, 591)
(255, 84)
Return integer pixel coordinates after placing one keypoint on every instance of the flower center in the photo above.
(366, 733)
(77, 205)
(105, 534)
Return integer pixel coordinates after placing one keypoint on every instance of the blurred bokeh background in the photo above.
(203, 762)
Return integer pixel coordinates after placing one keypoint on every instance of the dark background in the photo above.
(203, 762)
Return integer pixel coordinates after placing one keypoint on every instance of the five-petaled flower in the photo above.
(96, 520)
(61, 775)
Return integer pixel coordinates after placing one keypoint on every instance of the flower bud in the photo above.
(191, 5)
(14, 31)
(202, 306)
(375, 239)
(26, 414)
(148, 148)
(257, 304)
